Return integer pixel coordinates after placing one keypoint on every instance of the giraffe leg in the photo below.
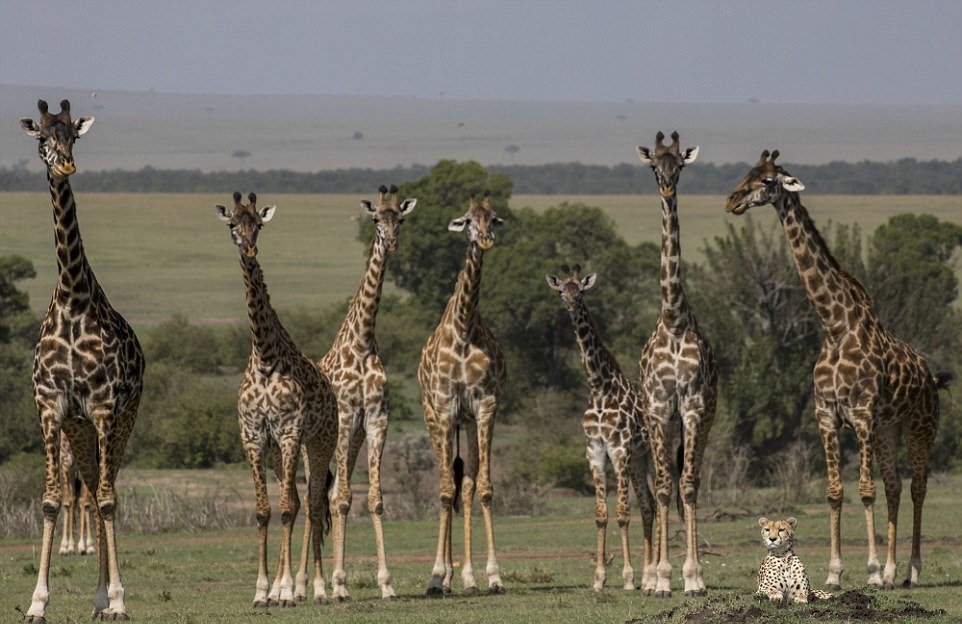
(317, 459)
(442, 437)
(639, 472)
(657, 420)
(50, 419)
(921, 438)
(300, 578)
(274, 595)
(254, 449)
(861, 417)
(67, 545)
(341, 504)
(597, 459)
(619, 463)
(485, 490)
(468, 485)
(111, 440)
(289, 506)
(697, 417)
(376, 425)
(886, 447)
(86, 544)
(828, 429)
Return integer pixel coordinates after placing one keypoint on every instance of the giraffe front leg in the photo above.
(486, 490)
(597, 458)
(623, 514)
(825, 416)
(919, 451)
(262, 510)
(658, 436)
(468, 484)
(52, 499)
(289, 506)
(317, 458)
(640, 471)
(861, 417)
(443, 440)
(697, 416)
(886, 444)
(300, 579)
(376, 434)
(341, 504)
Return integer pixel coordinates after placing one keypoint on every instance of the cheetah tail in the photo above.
(820, 594)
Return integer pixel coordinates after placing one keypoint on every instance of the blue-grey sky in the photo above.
(787, 51)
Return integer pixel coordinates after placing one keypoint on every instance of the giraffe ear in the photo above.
(30, 127)
(762, 521)
(553, 282)
(792, 184)
(644, 154)
(82, 124)
(690, 155)
(222, 213)
(368, 207)
(588, 281)
(497, 222)
(457, 225)
(267, 213)
(408, 205)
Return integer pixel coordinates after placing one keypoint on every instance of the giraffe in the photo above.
(87, 373)
(864, 378)
(76, 506)
(461, 374)
(284, 402)
(353, 365)
(614, 429)
(678, 377)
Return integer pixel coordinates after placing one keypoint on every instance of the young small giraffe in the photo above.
(678, 377)
(461, 375)
(284, 402)
(76, 506)
(614, 429)
(87, 373)
(864, 377)
(353, 365)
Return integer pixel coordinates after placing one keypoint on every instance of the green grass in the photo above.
(163, 254)
(209, 576)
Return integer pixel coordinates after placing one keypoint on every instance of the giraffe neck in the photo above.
(358, 325)
(76, 285)
(675, 312)
(269, 340)
(836, 296)
(464, 302)
(599, 364)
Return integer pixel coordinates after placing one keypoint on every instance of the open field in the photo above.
(163, 254)
(182, 576)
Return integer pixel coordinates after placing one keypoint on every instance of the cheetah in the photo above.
(782, 574)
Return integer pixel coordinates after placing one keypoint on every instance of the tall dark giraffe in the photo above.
(678, 377)
(865, 377)
(87, 373)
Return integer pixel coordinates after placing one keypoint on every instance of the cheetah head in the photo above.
(778, 535)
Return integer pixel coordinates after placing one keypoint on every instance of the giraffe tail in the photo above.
(942, 380)
(325, 500)
(458, 468)
(680, 463)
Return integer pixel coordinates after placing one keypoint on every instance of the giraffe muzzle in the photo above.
(666, 191)
(65, 169)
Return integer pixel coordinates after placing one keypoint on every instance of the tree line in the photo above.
(907, 176)
(746, 294)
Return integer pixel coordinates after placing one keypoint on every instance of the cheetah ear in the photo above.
(792, 522)
(762, 521)
(553, 282)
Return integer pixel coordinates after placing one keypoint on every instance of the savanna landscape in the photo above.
(187, 537)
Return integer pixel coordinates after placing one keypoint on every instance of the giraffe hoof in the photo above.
(648, 591)
(471, 591)
(907, 584)
(888, 585)
(344, 598)
(284, 604)
(321, 600)
(663, 593)
(833, 587)
(35, 619)
(300, 597)
(260, 604)
(434, 592)
(496, 590)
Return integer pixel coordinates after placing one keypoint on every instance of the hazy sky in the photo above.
(791, 51)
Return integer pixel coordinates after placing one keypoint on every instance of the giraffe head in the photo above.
(571, 285)
(245, 222)
(764, 184)
(388, 215)
(480, 221)
(667, 162)
(56, 134)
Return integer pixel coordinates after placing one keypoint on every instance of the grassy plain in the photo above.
(163, 254)
(198, 577)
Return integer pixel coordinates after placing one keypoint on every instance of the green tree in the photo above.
(18, 331)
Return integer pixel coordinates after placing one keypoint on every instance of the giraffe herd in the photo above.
(88, 378)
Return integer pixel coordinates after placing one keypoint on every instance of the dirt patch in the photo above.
(852, 606)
